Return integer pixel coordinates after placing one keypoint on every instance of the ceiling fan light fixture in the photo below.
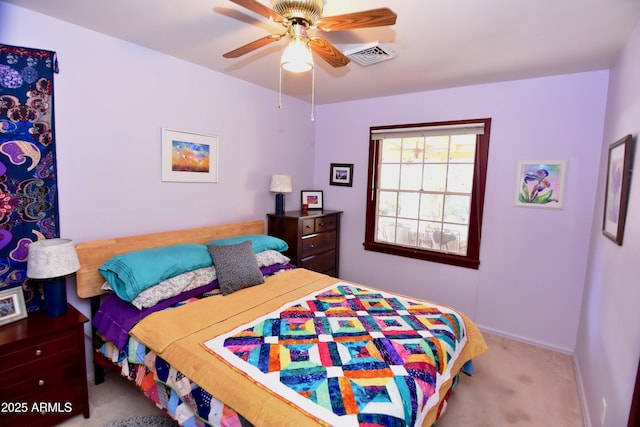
(297, 56)
(309, 10)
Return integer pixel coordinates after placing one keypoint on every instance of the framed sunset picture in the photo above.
(541, 184)
(189, 157)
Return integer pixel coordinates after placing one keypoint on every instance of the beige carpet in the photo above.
(514, 384)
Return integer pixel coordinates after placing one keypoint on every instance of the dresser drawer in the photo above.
(324, 262)
(43, 352)
(40, 381)
(308, 226)
(318, 243)
(329, 222)
(318, 225)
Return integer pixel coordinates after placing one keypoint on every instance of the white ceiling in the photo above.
(440, 43)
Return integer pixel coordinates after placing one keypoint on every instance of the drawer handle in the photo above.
(310, 245)
(38, 352)
(307, 227)
(40, 383)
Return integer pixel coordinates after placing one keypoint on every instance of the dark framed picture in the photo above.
(617, 189)
(311, 198)
(12, 306)
(341, 174)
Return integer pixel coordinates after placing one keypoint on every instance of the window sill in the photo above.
(424, 255)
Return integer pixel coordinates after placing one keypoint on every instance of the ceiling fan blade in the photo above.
(252, 46)
(328, 52)
(364, 19)
(260, 9)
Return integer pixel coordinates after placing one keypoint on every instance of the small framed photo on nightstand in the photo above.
(12, 306)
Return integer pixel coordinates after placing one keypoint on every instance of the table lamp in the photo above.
(50, 260)
(280, 184)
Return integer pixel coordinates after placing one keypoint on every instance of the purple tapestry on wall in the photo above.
(28, 185)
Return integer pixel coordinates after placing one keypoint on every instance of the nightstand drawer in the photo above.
(51, 348)
(43, 380)
(318, 243)
(323, 262)
(46, 408)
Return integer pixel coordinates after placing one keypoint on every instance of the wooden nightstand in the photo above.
(42, 369)
(313, 238)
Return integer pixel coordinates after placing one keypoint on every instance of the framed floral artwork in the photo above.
(617, 189)
(541, 184)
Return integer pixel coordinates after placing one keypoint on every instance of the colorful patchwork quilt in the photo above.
(169, 389)
(350, 356)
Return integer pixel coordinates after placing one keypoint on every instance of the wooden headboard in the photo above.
(94, 253)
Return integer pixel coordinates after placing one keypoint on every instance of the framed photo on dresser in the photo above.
(311, 198)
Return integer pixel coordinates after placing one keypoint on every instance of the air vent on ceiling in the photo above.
(370, 53)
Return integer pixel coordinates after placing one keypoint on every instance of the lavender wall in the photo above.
(608, 345)
(533, 261)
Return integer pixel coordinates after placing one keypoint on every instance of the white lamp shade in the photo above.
(280, 184)
(52, 258)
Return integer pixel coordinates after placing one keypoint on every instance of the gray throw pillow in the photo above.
(236, 266)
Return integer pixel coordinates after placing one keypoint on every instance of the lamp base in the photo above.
(55, 297)
(279, 204)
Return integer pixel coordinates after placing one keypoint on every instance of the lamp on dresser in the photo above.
(280, 184)
(51, 260)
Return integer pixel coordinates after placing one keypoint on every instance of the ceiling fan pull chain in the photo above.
(280, 90)
(313, 93)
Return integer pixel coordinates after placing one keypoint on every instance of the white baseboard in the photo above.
(525, 340)
(581, 394)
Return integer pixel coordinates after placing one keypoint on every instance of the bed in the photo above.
(299, 349)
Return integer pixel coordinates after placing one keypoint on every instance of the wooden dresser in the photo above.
(313, 238)
(43, 378)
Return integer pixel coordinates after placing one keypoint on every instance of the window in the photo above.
(426, 190)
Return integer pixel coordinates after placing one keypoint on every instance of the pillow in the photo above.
(259, 242)
(131, 273)
(174, 286)
(236, 266)
(271, 257)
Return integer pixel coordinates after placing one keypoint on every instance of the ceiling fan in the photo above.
(298, 17)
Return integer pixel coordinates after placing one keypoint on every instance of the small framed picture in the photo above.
(617, 189)
(341, 174)
(312, 198)
(540, 183)
(12, 305)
